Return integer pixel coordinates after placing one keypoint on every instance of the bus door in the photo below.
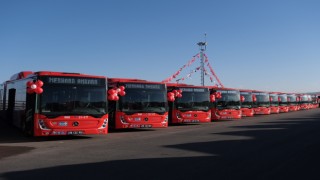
(11, 101)
(27, 123)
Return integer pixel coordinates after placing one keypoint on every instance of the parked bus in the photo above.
(292, 102)
(56, 103)
(246, 103)
(314, 101)
(283, 103)
(274, 103)
(305, 101)
(227, 104)
(137, 103)
(261, 102)
(188, 103)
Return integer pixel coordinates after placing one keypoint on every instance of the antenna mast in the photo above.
(203, 47)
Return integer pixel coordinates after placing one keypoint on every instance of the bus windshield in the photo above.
(274, 100)
(229, 100)
(144, 101)
(64, 100)
(262, 100)
(283, 100)
(304, 99)
(247, 103)
(197, 101)
(292, 100)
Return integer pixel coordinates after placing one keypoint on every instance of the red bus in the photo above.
(293, 102)
(56, 103)
(137, 103)
(274, 102)
(314, 101)
(283, 103)
(192, 106)
(261, 102)
(246, 103)
(227, 104)
(305, 101)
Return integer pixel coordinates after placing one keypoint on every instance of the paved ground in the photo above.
(284, 146)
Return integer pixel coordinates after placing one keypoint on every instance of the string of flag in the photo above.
(188, 76)
(212, 71)
(174, 76)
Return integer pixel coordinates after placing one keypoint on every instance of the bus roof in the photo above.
(223, 88)
(131, 80)
(25, 74)
(184, 85)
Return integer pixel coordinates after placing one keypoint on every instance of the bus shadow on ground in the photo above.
(112, 130)
(224, 120)
(185, 124)
(286, 149)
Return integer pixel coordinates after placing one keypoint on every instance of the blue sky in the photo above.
(271, 45)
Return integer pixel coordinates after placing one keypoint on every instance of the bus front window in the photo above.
(143, 100)
(73, 100)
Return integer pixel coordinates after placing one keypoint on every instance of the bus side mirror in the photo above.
(270, 98)
(279, 99)
(171, 96)
(254, 98)
(242, 98)
(212, 98)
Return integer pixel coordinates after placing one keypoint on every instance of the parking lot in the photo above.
(277, 146)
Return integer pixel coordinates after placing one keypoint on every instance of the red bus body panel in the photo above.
(190, 117)
(247, 112)
(225, 114)
(262, 110)
(274, 109)
(284, 109)
(293, 108)
(64, 125)
(141, 120)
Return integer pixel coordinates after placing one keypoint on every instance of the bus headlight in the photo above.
(42, 125)
(105, 123)
(166, 118)
(178, 115)
(123, 121)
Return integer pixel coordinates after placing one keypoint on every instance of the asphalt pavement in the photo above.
(277, 146)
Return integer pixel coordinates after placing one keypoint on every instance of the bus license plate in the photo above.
(191, 121)
(146, 126)
(75, 133)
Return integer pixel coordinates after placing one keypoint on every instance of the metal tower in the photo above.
(203, 47)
